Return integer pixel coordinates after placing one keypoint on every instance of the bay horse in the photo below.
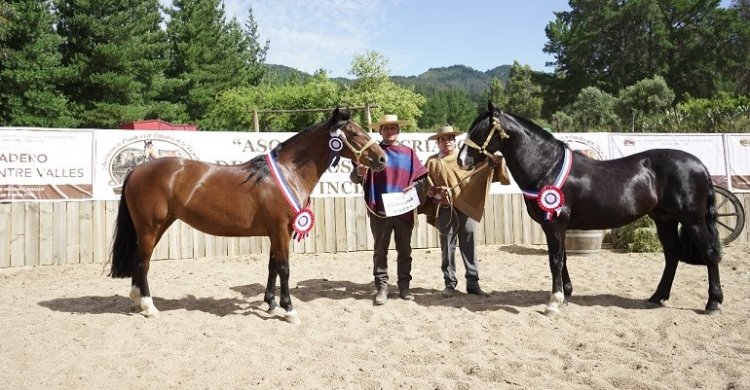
(232, 200)
(565, 190)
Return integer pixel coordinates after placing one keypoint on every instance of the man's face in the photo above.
(446, 144)
(389, 133)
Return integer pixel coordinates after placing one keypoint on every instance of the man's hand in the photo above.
(361, 170)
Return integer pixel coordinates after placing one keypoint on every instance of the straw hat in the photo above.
(445, 130)
(388, 119)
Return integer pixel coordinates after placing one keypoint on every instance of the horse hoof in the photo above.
(654, 305)
(292, 317)
(551, 313)
(151, 314)
(712, 309)
(275, 311)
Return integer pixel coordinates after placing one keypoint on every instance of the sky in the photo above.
(413, 35)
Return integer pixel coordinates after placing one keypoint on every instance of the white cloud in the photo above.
(313, 34)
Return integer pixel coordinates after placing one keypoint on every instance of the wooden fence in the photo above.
(49, 233)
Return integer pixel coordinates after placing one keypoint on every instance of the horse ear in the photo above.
(490, 106)
(339, 115)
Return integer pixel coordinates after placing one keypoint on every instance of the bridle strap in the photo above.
(496, 128)
(358, 153)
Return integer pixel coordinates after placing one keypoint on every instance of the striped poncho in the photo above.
(402, 170)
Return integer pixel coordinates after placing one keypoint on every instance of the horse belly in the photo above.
(209, 207)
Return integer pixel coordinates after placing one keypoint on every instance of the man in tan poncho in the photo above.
(457, 203)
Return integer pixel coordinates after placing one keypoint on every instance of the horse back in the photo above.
(612, 193)
(216, 199)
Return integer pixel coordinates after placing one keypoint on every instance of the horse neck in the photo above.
(532, 160)
(305, 160)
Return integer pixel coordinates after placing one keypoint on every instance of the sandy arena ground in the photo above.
(70, 327)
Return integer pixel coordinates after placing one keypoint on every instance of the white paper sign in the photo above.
(397, 203)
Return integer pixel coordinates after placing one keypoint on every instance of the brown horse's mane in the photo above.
(257, 167)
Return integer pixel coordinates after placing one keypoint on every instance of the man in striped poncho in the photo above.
(403, 171)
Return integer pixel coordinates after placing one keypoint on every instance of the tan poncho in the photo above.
(468, 188)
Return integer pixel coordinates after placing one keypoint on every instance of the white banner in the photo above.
(42, 164)
(738, 161)
(117, 151)
(709, 148)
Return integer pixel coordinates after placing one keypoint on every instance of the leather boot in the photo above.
(405, 294)
(382, 296)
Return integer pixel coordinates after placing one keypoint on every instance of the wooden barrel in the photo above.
(583, 242)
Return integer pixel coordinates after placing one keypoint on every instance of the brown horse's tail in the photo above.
(688, 247)
(125, 242)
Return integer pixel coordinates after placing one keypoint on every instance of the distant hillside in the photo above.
(283, 73)
(456, 77)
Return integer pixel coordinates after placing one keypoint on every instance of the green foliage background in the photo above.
(633, 65)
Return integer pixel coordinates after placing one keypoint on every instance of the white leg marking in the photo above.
(292, 317)
(149, 310)
(553, 307)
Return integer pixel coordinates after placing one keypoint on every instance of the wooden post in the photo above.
(367, 116)
(256, 125)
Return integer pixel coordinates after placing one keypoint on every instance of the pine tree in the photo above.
(30, 67)
(209, 54)
(117, 48)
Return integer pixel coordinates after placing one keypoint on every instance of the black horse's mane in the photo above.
(527, 124)
(258, 167)
(533, 127)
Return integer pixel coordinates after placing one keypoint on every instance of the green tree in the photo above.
(593, 110)
(235, 107)
(738, 54)
(448, 107)
(497, 93)
(117, 50)
(562, 122)
(30, 67)
(613, 44)
(209, 55)
(647, 97)
(524, 96)
(373, 86)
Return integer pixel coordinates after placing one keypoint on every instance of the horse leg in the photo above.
(139, 291)
(701, 240)
(269, 296)
(670, 242)
(556, 251)
(567, 284)
(280, 254)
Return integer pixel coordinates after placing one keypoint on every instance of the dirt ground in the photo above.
(70, 327)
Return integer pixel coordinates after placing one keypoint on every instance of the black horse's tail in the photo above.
(688, 248)
(125, 242)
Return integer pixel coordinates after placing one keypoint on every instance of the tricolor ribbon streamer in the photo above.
(551, 198)
(303, 219)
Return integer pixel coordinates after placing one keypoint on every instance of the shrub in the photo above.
(639, 236)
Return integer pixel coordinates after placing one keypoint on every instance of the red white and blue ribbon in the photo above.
(551, 198)
(303, 219)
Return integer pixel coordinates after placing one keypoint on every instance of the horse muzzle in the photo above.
(377, 165)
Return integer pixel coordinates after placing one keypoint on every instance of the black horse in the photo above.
(566, 190)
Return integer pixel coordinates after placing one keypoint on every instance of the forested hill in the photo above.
(457, 77)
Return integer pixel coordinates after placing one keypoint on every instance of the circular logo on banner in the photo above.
(335, 144)
(550, 198)
(303, 222)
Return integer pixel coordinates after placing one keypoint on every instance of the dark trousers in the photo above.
(381, 231)
(457, 228)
